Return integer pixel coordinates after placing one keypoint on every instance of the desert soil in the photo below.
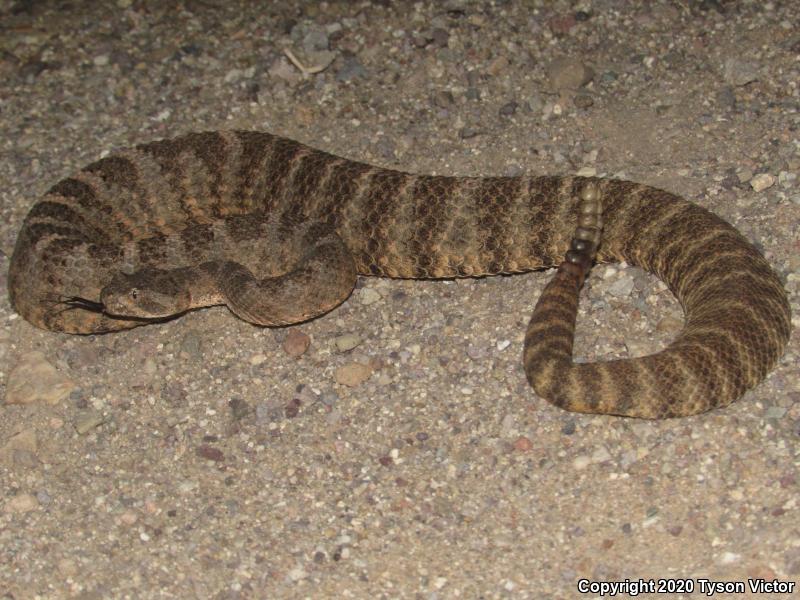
(393, 449)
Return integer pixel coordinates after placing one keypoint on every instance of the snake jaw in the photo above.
(119, 304)
(147, 294)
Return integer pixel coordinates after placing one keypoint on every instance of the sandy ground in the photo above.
(400, 454)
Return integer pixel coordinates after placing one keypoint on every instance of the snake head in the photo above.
(145, 294)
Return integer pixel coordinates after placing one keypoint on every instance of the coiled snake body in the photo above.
(279, 231)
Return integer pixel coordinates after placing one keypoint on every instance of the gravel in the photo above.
(393, 448)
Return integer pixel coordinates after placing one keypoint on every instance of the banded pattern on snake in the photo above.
(279, 232)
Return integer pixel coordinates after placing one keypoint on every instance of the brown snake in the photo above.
(279, 231)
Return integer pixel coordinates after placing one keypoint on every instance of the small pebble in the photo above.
(762, 181)
(581, 462)
(258, 359)
(149, 366)
(24, 441)
(210, 453)
(739, 72)
(329, 398)
(583, 101)
(67, 567)
(775, 412)
(503, 344)
(727, 558)
(292, 409)
(508, 423)
(508, 109)
(440, 37)
(88, 420)
(333, 417)
(296, 342)
(350, 69)
(368, 296)
(601, 455)
(352, 374)
(622, 287)
(523, 444)
(568, 74)
(787, 179)
(497, 66)
(282, 69)
(128, 518)
(21, 503)
(476, 353)
(315, 40)
(34, 379)
(560, 25)
(192, 344)
(25, 459)
(346, 342)
(239, 408)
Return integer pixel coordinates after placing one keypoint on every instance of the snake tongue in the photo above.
(84, 303)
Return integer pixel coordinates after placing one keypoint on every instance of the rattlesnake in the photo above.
(280, 231)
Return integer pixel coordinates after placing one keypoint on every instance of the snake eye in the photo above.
(134, 293)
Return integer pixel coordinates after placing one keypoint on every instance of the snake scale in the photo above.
(279, 232)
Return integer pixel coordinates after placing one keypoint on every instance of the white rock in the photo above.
(34, 379)
(622, 287)
(21, 503)
(728, 558)
(581, 462)
(258, 359)
(369, 296)
(762, 181)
